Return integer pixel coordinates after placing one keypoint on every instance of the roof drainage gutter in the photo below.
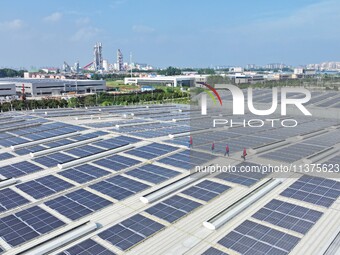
(63, 239)
(7, 182)
(94, 157)
(63, 147)
(233, 210)
(166, 190)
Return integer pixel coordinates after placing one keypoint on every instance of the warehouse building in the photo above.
(7, 90)
(54, 87)
(173, 81)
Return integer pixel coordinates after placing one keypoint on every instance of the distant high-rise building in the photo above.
(98, 59)
(105, 65)
(250, 66)
(120, 64)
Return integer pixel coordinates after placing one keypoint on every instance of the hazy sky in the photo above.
(185, 33)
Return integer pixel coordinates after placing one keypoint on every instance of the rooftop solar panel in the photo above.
(119, 187)
(314, 190)
(25, 225)
(54, 159)
(27, 150)
(58, 143)
(84, 151)
(78, 204)
(152, 173)
(45, 186)
(131, 231)
(13, 141)
(246, 179)
(111, 143)
(84, 173)
(10, 199)
(214, 251)
(152, 150)
(116, 162)
(19, 169)
(251, 238)
(293, 152)
(109, 164)
(206, 190)
(5, 155)
(173, 208)
(286, 215)
(87, 247)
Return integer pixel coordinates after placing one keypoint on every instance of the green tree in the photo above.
(73, 102)
(206, 71)
(217, 79)
(170, 71)
(90, 100)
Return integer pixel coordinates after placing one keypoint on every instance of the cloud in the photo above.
(313, 21)
(54, 17)
(82, 21)
(11, 25)
(143, 29)
(116, 3)
(310, 24)
(85, 33)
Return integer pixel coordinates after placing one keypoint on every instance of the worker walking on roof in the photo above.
(212, 147)
(226, 150)
(190, 142)
(244, 154)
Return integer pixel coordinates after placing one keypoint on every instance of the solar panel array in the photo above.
(314, 190)
(116, 162)
(19, 169)
(294, 152)
(187, 159)
(10, 199)
(286, 215)
(5, 155)
(244, 178)
(151, 151)
(214, 251)
(173, 208)
(78, 204)
(131, 231)
(84, 173)
(40, 132)
(45, 186)
(119, 187)
(87, 247)
(84, 151)
(53, 159)
(91, 184)
(251, 238)
(152, 173)
(25, 225)
(206, 190)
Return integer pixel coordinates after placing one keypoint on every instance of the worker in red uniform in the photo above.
(190, 142)
(212, 147)
(244, 154)
(226, 150)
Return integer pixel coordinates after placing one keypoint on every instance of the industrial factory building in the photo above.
(174, 81)
(54, 87)
(7, 89)
(92, 181)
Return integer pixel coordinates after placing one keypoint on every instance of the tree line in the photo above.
(7, 72)
(99, 99)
